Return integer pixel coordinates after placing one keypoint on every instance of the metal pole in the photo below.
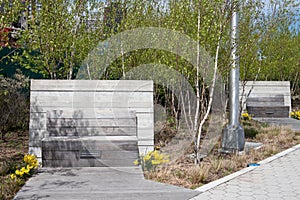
(234, 74)
(233, 135)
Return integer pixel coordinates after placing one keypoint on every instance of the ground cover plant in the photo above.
(151, 160)
(183, 172)
(13, 150)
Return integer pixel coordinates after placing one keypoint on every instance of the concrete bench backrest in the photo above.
(267, 98)
(90, 99)
(101, 122)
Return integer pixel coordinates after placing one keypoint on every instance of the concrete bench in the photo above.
(267, 107)
(89, 113)
(78, 139)
(266, 99)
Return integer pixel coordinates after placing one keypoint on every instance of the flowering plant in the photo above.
(295, 114)
(151, 160)
(27, 168)
(246, 116)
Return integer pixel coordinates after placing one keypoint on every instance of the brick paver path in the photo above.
(279, 179)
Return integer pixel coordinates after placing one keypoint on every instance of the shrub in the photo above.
(14, 104)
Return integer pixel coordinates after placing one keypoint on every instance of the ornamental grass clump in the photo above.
(151, 160)
(26, 169)
(295, 114)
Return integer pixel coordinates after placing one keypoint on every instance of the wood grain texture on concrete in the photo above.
(91, 108)
(266, 98)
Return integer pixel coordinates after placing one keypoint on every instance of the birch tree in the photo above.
(59, 35)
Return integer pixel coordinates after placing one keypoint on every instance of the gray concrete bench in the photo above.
(116, 112)
(266, 99)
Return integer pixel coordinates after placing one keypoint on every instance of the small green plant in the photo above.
(151, 160)
(295, 114)
(250, 132)
(26, 169)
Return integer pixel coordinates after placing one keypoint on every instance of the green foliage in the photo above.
(14, 105)
(58, 36)
(269, 46)
(250, 132)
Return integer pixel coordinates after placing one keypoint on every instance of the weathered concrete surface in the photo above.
(289, 122)
(98, 183)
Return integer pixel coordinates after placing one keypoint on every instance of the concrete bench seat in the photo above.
(80, 139)
(95, 151)
(266, 107)
(269, 111)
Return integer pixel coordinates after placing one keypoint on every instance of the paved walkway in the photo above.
(97, 183)
(278, 177)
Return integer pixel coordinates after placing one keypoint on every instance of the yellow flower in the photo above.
(155, 162)
(245, 115)
(147, 157)
(29, 167)
(27, 170)
(292, 113)
(23, 169)
(27, 158)
(17, 172)
(31, 159)
(295, 114)
(35, 164)
(13, 176)
(136, 162)
(155, 154)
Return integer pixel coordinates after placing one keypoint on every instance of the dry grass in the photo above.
(182, 171)
(12, 151)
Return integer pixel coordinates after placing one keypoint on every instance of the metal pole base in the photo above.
(233, 139)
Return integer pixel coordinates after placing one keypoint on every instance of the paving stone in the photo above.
(278, 179)
(260, 197)
(246, 197)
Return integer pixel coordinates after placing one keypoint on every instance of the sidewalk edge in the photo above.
(215, 183)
